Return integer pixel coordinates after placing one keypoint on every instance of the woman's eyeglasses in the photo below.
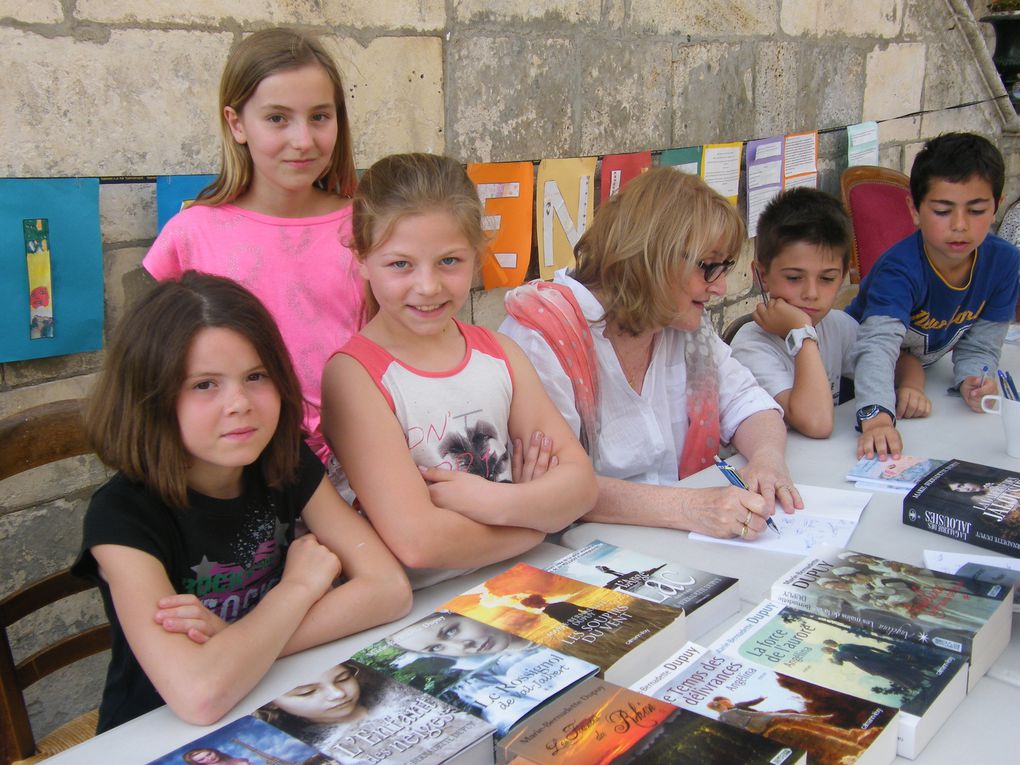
(714, 270)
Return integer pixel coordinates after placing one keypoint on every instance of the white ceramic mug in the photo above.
(1010, 412)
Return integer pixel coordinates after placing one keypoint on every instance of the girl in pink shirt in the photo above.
(277, 217)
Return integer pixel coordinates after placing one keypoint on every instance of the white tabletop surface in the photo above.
(982, 730)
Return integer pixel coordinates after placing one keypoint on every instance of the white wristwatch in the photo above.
(795, 338)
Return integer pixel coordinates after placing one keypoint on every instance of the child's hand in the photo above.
(879, 436)
(311, 565)
(457, 491)
(537, 460)
(187, 615)
(911, 403)
(779, 317)
(972, 390)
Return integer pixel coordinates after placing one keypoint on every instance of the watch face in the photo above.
(867, 412)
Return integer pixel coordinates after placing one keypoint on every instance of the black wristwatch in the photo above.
(870, 412)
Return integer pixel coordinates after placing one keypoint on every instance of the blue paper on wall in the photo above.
(172, 191)
(51, 288)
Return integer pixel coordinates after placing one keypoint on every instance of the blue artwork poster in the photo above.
(172, 191)
(51, 287)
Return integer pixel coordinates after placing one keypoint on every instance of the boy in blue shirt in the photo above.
(949, 286)
(797, 347)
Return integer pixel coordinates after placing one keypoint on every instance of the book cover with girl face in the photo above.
(358, 716)
(475, 667)
(245, 741)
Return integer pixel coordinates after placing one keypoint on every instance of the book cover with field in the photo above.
(974, 503)
(956, 613)
(834, 728)
(622, 634)
(925, 683)
(475, 667)
(358, 716)
(706, 598)
(598, 723)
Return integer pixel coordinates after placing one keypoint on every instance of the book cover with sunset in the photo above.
(624, 635)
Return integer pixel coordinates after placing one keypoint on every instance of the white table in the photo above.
(984, 728)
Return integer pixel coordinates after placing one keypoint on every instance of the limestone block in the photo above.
(910, 151)
(776, 90)
(487, 307)
(894, 77)
(511, 98)
(892, 157)
(699, 20)
(980, 118)
(32, 11)
(399, 14)
(865, 18)
(127, 211)
(830, 81)
(142, 102)
(117, 264)
(567, 11)
(78, 687)
(906, 129)
(19, 373)
(40, 540)
(627, 103)
(51, 482)
(394, 94)
(713, 91)
(57, 390)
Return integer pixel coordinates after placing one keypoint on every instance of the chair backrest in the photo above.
(730, 331)
(876, 198)
(30, 439)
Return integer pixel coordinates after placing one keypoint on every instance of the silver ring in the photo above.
(747, 520)
(743, 532)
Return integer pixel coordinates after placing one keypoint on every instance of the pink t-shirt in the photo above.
(298, 267)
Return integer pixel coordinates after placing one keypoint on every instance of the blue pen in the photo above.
(1012, 387)
(1004, 385)
(734, 478)
(984, 375)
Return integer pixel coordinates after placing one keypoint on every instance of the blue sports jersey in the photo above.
(904, 284)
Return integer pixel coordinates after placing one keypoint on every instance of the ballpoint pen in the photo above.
(984, 375)
(734, 478)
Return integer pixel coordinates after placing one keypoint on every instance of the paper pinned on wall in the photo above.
(800, 159)
(51, 299)
(686, 160)
(720, 168)
(862, 144)
(507, 193)
(565, 204)
(175, 192)
(764, 160)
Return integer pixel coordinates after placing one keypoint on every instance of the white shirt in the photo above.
(641, 435)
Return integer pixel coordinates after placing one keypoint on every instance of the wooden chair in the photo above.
(876, 199)
(30, 439)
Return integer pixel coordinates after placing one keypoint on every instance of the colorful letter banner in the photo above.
(173, 192)
(566, 203)
(686, 160)
(507, 192)
(618, 169)
(51, 296)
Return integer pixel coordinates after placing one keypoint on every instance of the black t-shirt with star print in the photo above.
(228, 553)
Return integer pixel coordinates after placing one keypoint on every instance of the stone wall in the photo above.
(128, 88)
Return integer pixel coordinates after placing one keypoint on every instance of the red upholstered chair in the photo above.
(876, 199)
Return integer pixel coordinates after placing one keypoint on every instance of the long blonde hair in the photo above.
(401, 185)
(647, 238)
(257, 57)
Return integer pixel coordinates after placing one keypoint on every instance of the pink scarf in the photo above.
(552, 310)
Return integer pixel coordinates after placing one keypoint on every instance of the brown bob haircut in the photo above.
(646, 239)
(132, 416)
(402, 185)
(258, 56)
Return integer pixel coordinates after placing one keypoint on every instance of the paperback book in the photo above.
(924, 683)
(598, 723)
(475, 667)
(357, 716)
(706, 598)
(974, 503)
(898, 476)
(963, 615)
(623, 635)
(242, 742)
(834, 728)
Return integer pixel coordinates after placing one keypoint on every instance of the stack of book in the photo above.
(897, 476)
